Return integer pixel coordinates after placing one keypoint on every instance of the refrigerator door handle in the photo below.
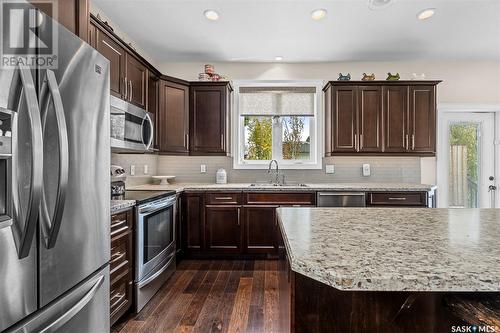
(50, 226)
(59, 322)
(151, 131)
(23, 235)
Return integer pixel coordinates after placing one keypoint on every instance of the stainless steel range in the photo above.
(155, 239)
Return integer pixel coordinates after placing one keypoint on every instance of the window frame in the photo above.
(316, 129)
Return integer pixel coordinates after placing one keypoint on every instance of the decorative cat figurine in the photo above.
(367, 77)
(344, 77)
(391, 77)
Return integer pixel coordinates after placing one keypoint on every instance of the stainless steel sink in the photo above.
(277, 185)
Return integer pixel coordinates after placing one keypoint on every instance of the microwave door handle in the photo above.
(147, 119)
(50, 226)
(23, 235)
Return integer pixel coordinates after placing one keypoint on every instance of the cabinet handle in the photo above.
(119, 297)
(397, 199)
(222, 141)
(406, 145)
(116, 257)
(356, 142)
(131, 90)
(238, 216)
(361, 141)
(186, 141)
(223, 198)
(413, 142)
(126, 87)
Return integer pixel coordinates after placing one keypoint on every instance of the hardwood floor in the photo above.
(212, 296)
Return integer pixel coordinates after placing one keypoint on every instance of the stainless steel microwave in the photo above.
(132, 128)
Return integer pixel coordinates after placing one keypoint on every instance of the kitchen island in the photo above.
(386, 269)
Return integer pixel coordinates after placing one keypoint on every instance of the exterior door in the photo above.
(345, 119)
(396, 118)
(422, 119)
(223, 229)
(74, 212)
(370, 118)
(116, 56)
(174, 118)
(466, 150)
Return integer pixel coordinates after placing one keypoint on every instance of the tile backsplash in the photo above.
(347, 169)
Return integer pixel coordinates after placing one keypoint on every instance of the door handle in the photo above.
(147, 119)
(239, 216)
(407, 147)
(73, 311)
(131, 90)
(356, 142)
(23, 234)
(50, 226)
(126, 87)
(413, 142)
(361, 141)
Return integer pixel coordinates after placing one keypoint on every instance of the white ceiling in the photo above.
(259, 30)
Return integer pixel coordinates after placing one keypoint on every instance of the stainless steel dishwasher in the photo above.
(341, 199)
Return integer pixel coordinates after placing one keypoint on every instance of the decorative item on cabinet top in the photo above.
(392, 77)
(210, 75)
(344, 77)
(367, 77)
(418, 76)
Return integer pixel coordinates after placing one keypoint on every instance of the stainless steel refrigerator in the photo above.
(54, 190)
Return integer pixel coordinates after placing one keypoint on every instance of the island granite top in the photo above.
(395, 249)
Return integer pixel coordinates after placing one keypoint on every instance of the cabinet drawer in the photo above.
(223, 198)
(397, 199)
(121, 222)
(121, 252)
(120, 297)
(284, 198)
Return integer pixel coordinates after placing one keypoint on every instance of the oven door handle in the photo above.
(152, 209)
(155, 275)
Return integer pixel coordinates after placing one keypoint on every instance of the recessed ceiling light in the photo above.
(379, 4)
(318, 14)
(426, 14)
(278, 58)
(211, 15)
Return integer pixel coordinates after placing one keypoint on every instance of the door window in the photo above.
(158, 233)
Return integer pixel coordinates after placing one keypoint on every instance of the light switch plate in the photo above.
(330, 168)
(366, 170)
(203, 168)
(132, 170)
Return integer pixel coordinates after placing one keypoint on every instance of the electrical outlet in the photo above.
(146, 169)
(366, 170)
(132, 170)
(203, 168)
(330, 168)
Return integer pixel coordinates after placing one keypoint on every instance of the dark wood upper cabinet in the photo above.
(173, 118)
(370, 119)
(261, 233)
(109, 48)
(422, 119)
(136, 79)
(344, 117)
(396, 118)
(92, 35)
(210, 108)
(72, 14)
(223, 229)
(380, 117)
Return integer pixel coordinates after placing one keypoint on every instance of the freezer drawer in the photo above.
(82, 310)
(341, 199)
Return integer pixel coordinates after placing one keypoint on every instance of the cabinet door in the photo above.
(396, 118)
(193, 222)
(208, 120)
(153, 105)
(423, 119)
(344, 122)
(370, 118)
(223, 230)
(136, 80)
(328, 122)
(92, 35)
(260, 232)
(174, 118)
(116, 56)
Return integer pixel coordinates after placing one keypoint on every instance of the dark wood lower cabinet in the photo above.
(121, 264)
(260, 229)
(223, 229)
(306, 305)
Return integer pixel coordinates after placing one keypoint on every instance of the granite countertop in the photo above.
(395, 249)
(180, 187)
(117, 205)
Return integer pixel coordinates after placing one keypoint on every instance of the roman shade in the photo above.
(276, 101)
